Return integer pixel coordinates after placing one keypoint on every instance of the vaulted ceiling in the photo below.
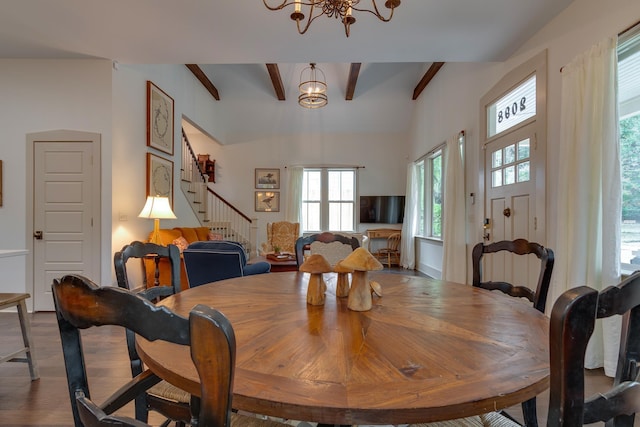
(250, 58)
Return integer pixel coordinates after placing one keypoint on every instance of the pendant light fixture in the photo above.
(313, 89)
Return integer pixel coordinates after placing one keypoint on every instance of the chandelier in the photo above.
(339, 9)
(313, 91)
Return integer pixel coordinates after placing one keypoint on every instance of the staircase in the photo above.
(212, 210)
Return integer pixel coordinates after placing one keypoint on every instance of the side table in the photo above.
(277, 266)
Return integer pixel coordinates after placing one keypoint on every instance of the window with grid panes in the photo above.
(328, 199)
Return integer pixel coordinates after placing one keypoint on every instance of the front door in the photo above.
(513, 163)
(510, 211)
(65, 227)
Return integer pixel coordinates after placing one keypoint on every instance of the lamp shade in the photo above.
(157, 207)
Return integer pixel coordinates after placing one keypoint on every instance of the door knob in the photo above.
(507, 212)
(37, 235)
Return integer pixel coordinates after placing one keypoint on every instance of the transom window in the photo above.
(513, 108)
(511, 164)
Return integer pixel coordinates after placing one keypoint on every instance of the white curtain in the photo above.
(589, 195)
(410, 222)
(294, 195)
(454, 247)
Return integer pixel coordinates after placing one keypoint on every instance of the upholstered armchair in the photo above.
(281, 235)
(211, 261)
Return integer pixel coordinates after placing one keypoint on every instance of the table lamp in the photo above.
(157, 208)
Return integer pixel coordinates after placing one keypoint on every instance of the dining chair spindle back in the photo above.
(538, 297)
(164, 398)
(81, 304)
(573, 320)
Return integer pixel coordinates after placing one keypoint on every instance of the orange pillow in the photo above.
(181, 243)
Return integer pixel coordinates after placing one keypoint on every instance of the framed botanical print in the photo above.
(267, 201)
(159, 119)
(268, 178)
(159, 177)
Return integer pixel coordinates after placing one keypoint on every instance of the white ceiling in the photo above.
(232, 40)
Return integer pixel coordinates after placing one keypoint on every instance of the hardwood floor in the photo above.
(45, 402)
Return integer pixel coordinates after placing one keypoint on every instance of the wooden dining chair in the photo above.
(518, 247)
(390, 254)
(538, 297)
(164, 398)
(333, 252)
(81, 304)
(573, 320)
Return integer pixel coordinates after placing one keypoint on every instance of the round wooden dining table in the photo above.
(428, 350)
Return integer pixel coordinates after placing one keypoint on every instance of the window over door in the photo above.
(328, 199)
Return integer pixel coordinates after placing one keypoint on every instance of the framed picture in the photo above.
(267, 201)
(159, 177)
(268, 178)
(159, 119)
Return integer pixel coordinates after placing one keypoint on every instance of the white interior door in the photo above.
(510, 211)
(66, 237)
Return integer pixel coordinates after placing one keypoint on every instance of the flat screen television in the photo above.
(382, 209)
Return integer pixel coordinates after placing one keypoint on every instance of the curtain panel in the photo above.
(590, 190)
(454, 233)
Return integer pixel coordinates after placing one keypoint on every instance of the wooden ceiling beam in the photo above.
(430, 74)
(200, 75)
(276, 80)
(354, 71)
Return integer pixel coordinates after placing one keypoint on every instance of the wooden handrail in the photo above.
(222, 199)
(204, 179)
(193, 156)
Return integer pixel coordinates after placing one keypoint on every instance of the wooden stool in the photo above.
(18, 300)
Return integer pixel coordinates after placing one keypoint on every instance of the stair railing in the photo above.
(213, 211)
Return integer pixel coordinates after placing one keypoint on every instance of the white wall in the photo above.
(41, 95)
(382, 155)
(451, 101)
(383, 160)
(94, 96)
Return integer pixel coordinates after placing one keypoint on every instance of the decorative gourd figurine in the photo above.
(362, 262)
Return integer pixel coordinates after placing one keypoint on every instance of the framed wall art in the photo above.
(267, 201)
(159, 177)
(268, 178)
(159, 119)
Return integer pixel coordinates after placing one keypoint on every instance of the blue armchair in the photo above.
(213, 260)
